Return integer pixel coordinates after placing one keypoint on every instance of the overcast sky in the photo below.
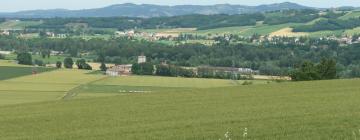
(18, 5)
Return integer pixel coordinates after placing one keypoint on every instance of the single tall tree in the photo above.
(68, 63)
(24, 58)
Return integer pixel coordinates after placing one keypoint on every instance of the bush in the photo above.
(68, 63)
(39, 63)
(24, 58)
(2, 56)
(308, 71)
(58, 64)
(103, 66)
(143, 69)
(245, 83)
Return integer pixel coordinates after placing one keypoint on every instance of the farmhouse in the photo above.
(124, 70)
(141, 59)
(119, 70)
(5, 52)
(5, 32)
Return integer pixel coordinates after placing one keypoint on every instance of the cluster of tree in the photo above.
(174, 71)
(204, 72)
(178, 71)
(81, 64)
(122, 23)
(308, 71)
(24, 58)
(329, 24)
(274, 57)
(143, 68)
(291, 16)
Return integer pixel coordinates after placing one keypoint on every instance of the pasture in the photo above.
(47, 86)
(17, 25)
(76, 105)
(349, 15)
(9, 69)
(297, 111)
(155, 81)
(288, 32)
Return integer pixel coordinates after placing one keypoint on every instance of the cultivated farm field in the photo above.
(78, 105)
(17, 25)
(10, 70)
(304, 110)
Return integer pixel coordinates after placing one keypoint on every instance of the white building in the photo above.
(119, 70)
(141, 59)
(5, 52)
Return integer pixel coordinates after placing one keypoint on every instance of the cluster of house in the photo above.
(5, 52)
(5, 32)
(348, 40)
(147, 35)
(53, 35)
(125, 70)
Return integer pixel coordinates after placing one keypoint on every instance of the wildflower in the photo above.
(227, 135)
(245, 133)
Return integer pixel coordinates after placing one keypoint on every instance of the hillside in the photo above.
(103, 108)
(147, 10)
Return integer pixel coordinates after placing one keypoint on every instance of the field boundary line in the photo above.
(71, 93)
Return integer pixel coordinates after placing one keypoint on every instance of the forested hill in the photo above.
(147, 10)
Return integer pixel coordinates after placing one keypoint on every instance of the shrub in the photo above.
(2, 56)
(58, 64)
(245, 83)
(39, 62)
(68, 63)
(24, 58)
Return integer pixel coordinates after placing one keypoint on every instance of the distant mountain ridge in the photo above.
(148, 10)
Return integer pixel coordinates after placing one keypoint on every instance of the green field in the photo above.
(303, 110)
(220, 31)
(12, 72)
(75, 105)
(8, 70)
(48, 86)
(352, 14)
(17, 25)
(326, 33)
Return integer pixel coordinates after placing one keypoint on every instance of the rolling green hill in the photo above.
(353, 14)
(17, 25)
(143, 108)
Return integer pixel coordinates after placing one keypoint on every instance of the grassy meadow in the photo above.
(8, 70)
(304, 110)
(17, 25)
(352, 14)
(19, 85)
(76, 105)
